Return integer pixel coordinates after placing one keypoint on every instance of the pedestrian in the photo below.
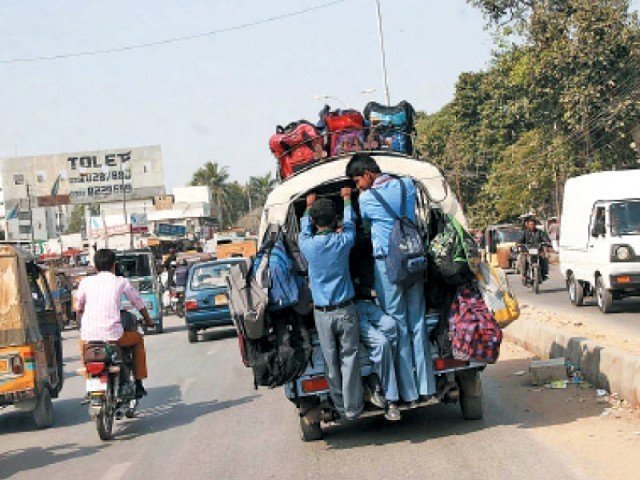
(554, 233)
(327, 254)
(378, 333)
(406, 304)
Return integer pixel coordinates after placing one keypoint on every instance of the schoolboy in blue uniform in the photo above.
(327, 254)
(405, 304)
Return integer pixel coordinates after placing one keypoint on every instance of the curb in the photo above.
(609, 368)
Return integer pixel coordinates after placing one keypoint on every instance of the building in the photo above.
(38, 193)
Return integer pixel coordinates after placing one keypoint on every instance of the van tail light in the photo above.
(17, 365)
(191, 305)
(95, 368)
(317, 384)
(448, 363)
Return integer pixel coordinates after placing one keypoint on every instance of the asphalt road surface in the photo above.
(553, 296)
(203, 420)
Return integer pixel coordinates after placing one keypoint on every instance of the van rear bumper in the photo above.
(625, 281)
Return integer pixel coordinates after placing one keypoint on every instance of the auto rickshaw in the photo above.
(500, 241)
(139, 267)
(31, 371)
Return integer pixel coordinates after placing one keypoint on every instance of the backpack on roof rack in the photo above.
(391, 126)
(296, 146)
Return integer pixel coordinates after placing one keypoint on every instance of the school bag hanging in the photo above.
(406, 260)
(475, 334)
(345, 129)
(248, 301)
(452, 251)
(494, 286)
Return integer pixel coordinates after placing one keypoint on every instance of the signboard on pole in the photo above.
(169, 230)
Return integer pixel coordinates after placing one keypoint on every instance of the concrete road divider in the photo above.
(609, 368)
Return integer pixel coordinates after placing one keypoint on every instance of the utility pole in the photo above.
(124, 205)
(382, 53)
(33, 243)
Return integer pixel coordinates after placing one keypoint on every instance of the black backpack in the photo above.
(282, 355)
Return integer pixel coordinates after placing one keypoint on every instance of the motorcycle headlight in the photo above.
(622, 253)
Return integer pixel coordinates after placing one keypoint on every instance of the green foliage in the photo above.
(561, 97)
(76, 220)
(232, 200)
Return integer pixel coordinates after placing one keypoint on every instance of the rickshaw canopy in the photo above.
(18, 320)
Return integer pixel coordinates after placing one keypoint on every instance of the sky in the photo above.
(220, 97)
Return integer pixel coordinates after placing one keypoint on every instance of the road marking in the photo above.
(117, 471)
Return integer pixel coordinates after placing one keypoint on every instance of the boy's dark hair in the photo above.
(104, 259)
(323, 213)
(360, 163)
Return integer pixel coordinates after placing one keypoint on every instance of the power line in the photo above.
(168, 41)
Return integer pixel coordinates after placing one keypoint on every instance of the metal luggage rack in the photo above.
(367, 147)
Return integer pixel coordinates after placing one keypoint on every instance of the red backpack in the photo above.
(297, 145)
(475, 334)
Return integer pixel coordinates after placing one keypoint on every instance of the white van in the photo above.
(600, 237)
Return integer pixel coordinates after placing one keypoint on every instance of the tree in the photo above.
(76, 220)
(216, 178)
(258, 188)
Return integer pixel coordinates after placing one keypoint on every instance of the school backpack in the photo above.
(406, 260)
(274, 270)
(475, 335)
(296, 146)
(248, 300)
(282, 354)
(452, 251)
(391, 126)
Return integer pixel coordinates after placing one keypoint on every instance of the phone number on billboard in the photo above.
(102, 191)
(102, 177)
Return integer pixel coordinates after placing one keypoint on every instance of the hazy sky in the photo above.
(219, 97)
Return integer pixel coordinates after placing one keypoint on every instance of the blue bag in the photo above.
(406, 260)
(279, 276)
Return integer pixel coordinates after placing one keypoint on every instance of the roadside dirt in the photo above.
(601, 435)
(574, 324)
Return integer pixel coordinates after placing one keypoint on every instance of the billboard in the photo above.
(169, 230)
(85, 177)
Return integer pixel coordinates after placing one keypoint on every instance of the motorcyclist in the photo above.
(181, 273)
(99, 303)
(533, 237)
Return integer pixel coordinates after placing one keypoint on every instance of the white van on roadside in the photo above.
(600, 237)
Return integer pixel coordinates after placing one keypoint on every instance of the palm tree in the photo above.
(259, 188)
(216, 178)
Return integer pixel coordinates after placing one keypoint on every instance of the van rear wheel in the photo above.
(471, 402)
(604, 296)
(576, 291)
(192, 335)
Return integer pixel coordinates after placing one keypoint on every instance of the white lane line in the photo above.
(117, 471)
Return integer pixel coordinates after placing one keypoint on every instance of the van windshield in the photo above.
(625, 218)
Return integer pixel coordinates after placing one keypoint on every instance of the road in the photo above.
(624, 321)
(203, 420)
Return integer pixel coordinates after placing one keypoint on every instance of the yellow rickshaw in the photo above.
(31, 371)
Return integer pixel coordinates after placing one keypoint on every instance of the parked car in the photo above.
(206, 304)
(600, 237)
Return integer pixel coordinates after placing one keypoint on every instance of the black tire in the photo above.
(192, 335)
(472, 408)
(471, 402)
(535, 272)
(604, 296)
(104, 423)
(160, 325)
(43, 413)
(310, 431)
(576, 291)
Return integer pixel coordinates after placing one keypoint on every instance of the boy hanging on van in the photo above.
(327, 254)
(406, 304)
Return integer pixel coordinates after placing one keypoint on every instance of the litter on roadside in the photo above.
(520, 373)
(606, 412)
(558, 384)
(601, 392)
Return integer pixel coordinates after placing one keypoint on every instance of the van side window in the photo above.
(598, 221)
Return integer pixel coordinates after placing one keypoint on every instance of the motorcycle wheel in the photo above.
(104, 423)
(536, 279)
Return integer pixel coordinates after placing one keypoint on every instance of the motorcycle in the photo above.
(177, 301)
(533, 275)
(110, 385)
